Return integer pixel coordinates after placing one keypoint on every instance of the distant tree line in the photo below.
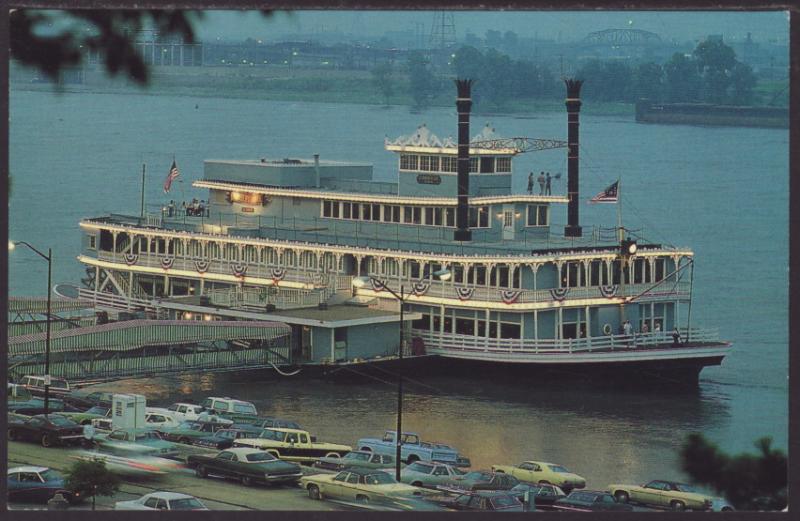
(711, 74)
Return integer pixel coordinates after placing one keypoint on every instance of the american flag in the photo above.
(609, 195)
(171, 176)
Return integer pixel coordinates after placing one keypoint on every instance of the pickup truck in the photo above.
(292, 445)
(412, 449)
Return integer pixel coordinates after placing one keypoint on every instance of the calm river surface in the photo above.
(721, 191)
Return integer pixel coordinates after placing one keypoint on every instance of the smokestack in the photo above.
(463, 106)
(316, 169)
(573, 103)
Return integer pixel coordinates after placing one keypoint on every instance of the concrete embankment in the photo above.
(217, 494)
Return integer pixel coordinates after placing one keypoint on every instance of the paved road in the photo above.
(217, 494)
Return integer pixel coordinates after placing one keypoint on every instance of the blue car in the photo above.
(36, 485)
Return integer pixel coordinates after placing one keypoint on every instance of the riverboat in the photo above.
(487, 279)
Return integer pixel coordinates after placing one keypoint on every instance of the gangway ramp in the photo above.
(134, 348)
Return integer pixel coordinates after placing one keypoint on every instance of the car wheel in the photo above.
(677, 506)
(621, 496)
(313, 492)
(411, 459)
(247, 481)
(366, 449)
(201, 471)
(333, 455)
(46, 441)
(364, 500)
(416, 484)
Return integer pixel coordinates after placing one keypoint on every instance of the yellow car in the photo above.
(293, 445)
(677, 496)
(543, 472)
(357, 484)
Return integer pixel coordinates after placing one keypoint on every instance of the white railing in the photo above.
(453, 342)
(186, 263)
(118, 302)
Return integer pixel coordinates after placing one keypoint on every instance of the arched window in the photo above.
(289, 258)
(230, 252)
(250, 254)
(214, 251)
(329, 261)
(308, 259)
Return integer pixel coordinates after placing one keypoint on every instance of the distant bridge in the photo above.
(622, 37)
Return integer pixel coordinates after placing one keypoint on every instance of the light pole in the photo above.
(360, 282)
(49, 259)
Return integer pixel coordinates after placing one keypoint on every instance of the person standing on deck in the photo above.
(547, 185)
(530, 183)
(676, 338)
(628, 329)
(541, 183)
(645, 328)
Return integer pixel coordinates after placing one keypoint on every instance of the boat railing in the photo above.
(101, 299)
(285, 298)
(436, 341)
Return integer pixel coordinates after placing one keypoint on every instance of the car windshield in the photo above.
(259, 456)
(360, 456)
(558, 468)
(478, 475)
(269, 434)
(683, 487)
(244, 408)
(582, 496)
(379, 478)
(524, 487)
(97, 410)
(188, 503)
(504, 502)
(147, 436)
(50, 475)
(61, 421)
(59, 384)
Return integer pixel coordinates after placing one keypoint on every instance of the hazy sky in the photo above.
(681, 26)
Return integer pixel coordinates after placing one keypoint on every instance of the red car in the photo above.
(49, 430)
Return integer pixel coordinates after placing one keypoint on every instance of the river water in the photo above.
(721, 191)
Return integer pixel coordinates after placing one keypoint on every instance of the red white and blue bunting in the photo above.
(167, 262)
(201, 265)
(464, 293)
(239, 270)
(609, 291)
(510, 296)
(377, 284)
(559, 294)
(131, 258)
(278, 274)
(420, 287)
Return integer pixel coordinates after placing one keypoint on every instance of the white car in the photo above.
(156, 417)
(162, 501)
(185, 411)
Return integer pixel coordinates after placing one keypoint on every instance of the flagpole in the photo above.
(143, 165)
(619, 210)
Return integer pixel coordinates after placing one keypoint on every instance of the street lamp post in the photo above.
(49, 259)
(358, 282)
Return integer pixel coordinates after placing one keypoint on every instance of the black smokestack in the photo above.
(573, 103)
(463, 106)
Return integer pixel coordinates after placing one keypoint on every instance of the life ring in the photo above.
(607, 329)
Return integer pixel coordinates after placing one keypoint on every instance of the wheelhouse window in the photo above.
(487, 165)
(449, 164)
(502, 164)
(92, 242)
(409, 162)
(537, 215)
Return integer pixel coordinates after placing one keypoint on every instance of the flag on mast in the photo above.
(609, 195)
(171, 176)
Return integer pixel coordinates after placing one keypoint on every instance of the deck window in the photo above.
(92, 242)
(479, 217)
(502, 164)
(356, 214)
(641, 271)
(407, 211)
(473, 164)
(465, 326)
(346, 213)
(572, 275)
(450, 217)
(508, 330)
(423, 323)
(598, 275)
(437, 216)
(366, 212)
(487, 165)
(449, 164)
(659, 271)
(429, 216)
(537, 215)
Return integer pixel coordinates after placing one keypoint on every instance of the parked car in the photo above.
(49, 430)
(424, 474)
(224, 438)
(162, 501)
(659, 493)
(482, 480)
(35, 384)
(292, 445)
(189, 431)
(356, 484)
(482, 500)
(36, 485)
(543, 472)
(413, 449)
(541, 496)
(21, 401)
(185, 411)
(157, 418)
(229, 408)
(356, 458)
(247, 465)
(85, 398)
(590, 501)
(86, 417)
(127, 442)
(103, 424)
